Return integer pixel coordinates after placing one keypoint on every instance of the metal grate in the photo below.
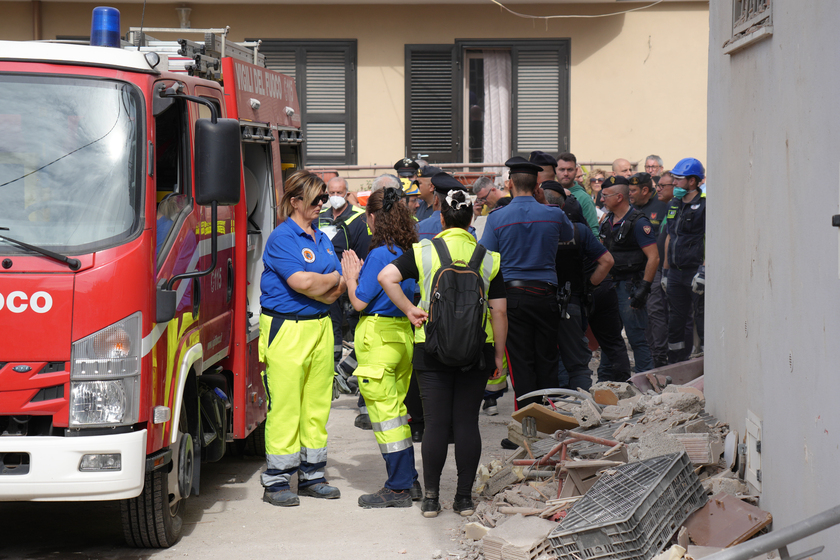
(49, 394)
(750, 13)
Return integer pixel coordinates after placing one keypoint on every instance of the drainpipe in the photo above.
(36, 20)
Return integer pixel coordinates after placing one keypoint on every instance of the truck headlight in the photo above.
(105, 374)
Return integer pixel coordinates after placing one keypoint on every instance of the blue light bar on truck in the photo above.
(105, 27)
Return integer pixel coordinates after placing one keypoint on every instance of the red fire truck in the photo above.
(135, 202)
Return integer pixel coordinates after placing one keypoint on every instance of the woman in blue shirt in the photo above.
(385, 346)
(302, 277)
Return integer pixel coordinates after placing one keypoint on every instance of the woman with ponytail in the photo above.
(385, 346)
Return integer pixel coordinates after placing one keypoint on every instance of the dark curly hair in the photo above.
(393, 224)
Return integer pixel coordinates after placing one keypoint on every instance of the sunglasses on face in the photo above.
(320, 199)
(601, 180)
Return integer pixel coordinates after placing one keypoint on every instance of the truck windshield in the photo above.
(70, 162)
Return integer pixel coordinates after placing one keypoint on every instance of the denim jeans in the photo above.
(635, 322)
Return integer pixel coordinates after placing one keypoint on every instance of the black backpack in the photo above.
(455, 329)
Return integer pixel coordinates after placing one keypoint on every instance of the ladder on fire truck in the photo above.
(191, 57)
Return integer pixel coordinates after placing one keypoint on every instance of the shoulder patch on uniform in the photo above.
(653, 215)
(647, 229)
(308, 255)
(695, 206)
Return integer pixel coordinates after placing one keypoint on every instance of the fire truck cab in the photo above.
(135, 201)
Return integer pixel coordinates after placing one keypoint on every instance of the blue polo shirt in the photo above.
(431, 226)
(369, 289)
(289, 250)
(526, 233)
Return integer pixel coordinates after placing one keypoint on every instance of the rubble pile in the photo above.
(561, 475)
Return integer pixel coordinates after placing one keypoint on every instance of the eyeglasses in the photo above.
(651, 167)
(320, 199)
(661, 186)
(593, 180)
(609, 195)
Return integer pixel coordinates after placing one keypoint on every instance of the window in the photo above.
(325, 75)
(478, 101)
(752, 21)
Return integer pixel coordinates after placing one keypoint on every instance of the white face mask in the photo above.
(337, 201)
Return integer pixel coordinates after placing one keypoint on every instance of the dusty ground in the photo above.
(229, 520)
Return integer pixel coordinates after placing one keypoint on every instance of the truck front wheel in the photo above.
(152, 520)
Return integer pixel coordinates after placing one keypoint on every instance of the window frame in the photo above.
(460, 56)
(741, 36)
(300, 48)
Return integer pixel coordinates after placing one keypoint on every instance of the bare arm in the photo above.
(312, 284)
(390, 279)
(652, 254)
(605, 264)
(333, 294)
(499, 323)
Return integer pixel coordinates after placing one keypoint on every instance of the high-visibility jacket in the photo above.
(461, 245)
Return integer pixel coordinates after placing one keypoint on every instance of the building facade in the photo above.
(460, 82)
(772, 271)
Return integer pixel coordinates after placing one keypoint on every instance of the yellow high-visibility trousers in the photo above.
(298, 383)
(384, 349)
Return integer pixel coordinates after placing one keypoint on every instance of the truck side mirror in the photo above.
(217, 162)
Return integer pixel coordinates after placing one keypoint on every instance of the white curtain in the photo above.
(496, 107)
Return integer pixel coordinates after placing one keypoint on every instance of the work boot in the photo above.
(490, 407)
(320, 490)
(416, 492)
(463, 505)
(431, 504)
(363, 421)
(386, 498)
(283, 498)
(507, 444)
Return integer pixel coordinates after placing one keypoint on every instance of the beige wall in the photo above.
(638, 81)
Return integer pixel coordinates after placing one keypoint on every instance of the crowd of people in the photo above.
(452, 293)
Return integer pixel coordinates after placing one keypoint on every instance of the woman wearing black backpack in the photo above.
(452, 394)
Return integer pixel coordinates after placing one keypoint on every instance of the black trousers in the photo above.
(682, 303)
(574, 352)
(451, 401)
(337, 315)
(532, 351)
(605, 322)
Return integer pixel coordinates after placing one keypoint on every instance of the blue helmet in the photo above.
(687, 167)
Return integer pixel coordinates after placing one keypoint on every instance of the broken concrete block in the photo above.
(518, 537)
(587, 415)
(684, 402)
(702, 449)
(621, 390)
(617, 412)
(475, 531)
(725, 482)
(501, 480)
(654, 445)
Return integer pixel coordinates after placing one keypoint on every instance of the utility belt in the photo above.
(532, 286)
(293, 316)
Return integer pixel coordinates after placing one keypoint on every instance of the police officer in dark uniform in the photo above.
(580, 262)
(425, 207)
(527, 233)
(407, 167)
(684, 271)
(643, 197)
(629, 236)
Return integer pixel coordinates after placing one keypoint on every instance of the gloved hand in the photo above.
(640, 296)
(664, 281)
(698, 284)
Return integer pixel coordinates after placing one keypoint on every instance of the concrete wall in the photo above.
(638, 81)
(772, 326)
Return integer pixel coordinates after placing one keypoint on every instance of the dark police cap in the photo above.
(641, 179)
(519, 164)
(542, 158)
(553, 186)
(429, 171)
(444, 182)
(615, 180)
(406, 166)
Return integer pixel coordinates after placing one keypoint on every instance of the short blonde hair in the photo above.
(302, 185)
